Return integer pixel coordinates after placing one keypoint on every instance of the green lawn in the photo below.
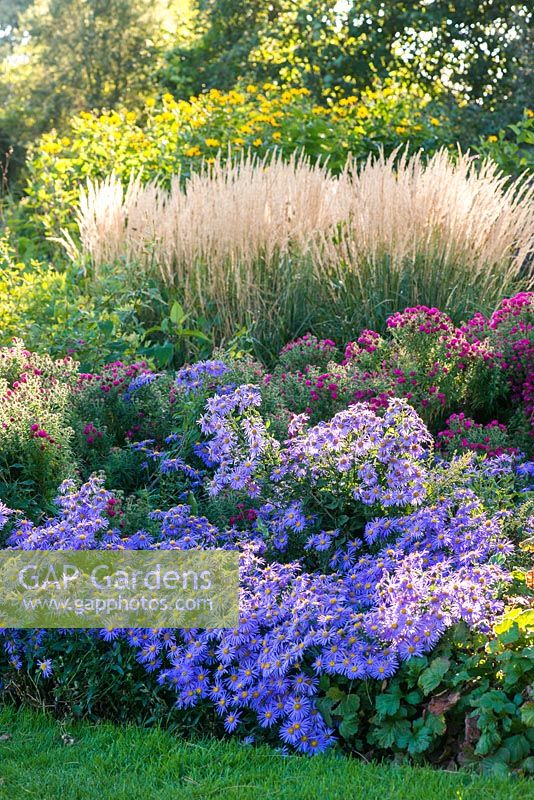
(41, 758)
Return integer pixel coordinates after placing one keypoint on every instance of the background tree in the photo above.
(64, 56)
(481, 51)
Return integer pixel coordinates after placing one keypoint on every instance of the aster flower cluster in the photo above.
(513, 325)
(438, 367)
(388, 546)
(374, 459)
(5, 514)
(167, 462)
(368, 340)
(422, 319)
(181, 530)
(114, 376)
(309, 341)
(423, 358)
(281, 522)
(371, 458)
(307, 352)
(239, 438)
(91, 433)
(431, 571)
(145, 379)
(195, 377)
(35, 396)
(510, 331)
(79, 525)
(390, 594)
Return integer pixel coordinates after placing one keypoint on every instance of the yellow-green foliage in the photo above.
(57, 311)
(29, 293)
(513, 147)
(169, 136)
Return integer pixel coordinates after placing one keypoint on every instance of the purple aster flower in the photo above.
(138, 383)
(45, 667)
(232, 721)
(5, 513)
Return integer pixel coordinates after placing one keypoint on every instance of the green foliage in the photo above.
(69, 55)
(513, 147)
(61, 57)
(471, 700)
(432, 676)
(35, 453)
(94, 681)
(63, 311)
(323, 45)
(168, 137)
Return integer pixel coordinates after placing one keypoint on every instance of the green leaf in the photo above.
(527, 714)
(195, 334)
(162, 353)
(525, 620)
(388, 703)
(177, 314)
(522, 617)
(415, 665)
(390, 732)
(433, 675)
(436, 723)
(349, 705)
(106, 326)
(495, 766)
(324, 706)
(335, 694)
(487, 742)
(518, 747)
(420, 741)
(494, 702)
(349, 726)
(511, 635)
(192, 503)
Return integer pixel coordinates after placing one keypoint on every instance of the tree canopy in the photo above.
(480, 50)
(60, 57)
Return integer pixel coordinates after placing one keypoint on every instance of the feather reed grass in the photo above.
(278, 246)
(446, 233)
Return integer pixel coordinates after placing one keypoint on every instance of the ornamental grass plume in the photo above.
(279, 246)
(233, 238)
(444, 232)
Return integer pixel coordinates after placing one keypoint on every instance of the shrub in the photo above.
(391, 603)
(463, 433)
(510, 330)
(441, 369)
(35, 449)
(417, 549)
(59, 310)
(513, 147)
